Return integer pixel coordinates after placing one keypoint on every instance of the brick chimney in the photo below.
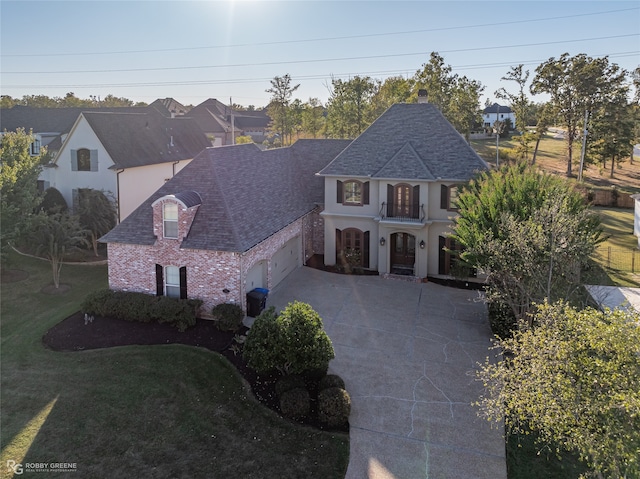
(422, 96)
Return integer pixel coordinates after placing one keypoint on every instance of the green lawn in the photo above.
(135, 411)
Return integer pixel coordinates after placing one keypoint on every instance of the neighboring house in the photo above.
(636, 220)
(497, 112)
(236, 218)
(223, 124)
(130, 155)
(169, 107)
(390, 195)
(49, 125)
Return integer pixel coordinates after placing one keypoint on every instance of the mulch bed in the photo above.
(77, 334)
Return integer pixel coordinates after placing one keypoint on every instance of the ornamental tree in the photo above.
(529, 231)
(292, 342)
(574, 378)
(19, 196)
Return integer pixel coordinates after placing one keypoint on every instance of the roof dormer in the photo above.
(174, 214)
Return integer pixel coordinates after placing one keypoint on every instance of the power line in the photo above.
(322, 60)
(297, 77)
(322, 39)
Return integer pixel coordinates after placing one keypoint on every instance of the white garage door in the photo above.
(285, 260)
(257, 276)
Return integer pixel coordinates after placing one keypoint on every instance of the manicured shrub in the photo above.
(292, 342)
(287, 383)
(331, 381)
(295, 403)
(228, 316)
(334, 407)
(131, 306)
(53, 201)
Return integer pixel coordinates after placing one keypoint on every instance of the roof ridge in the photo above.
(413, 152)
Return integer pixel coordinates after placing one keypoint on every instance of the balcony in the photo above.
(393, 212)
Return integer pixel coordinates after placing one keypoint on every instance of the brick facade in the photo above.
(212, 276)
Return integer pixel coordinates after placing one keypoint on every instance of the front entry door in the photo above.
(403, 253)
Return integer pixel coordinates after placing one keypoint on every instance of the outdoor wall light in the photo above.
(382, 241)
(422, 244)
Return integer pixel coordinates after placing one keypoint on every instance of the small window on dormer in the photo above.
(170, 220)
(34, 149)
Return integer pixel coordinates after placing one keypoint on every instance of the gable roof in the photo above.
(214, 116)
(141, 139)
(495, 108)
(50, 120)
(169, 107)
(247, 194)
(408, 141)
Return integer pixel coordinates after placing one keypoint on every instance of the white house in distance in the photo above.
(496, 112)
(130, 155)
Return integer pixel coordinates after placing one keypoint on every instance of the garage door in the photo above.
(257, 276)
(285, 260)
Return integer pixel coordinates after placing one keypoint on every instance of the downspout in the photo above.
(118, 192)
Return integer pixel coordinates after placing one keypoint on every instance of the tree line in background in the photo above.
(581, 89)
(70, 100)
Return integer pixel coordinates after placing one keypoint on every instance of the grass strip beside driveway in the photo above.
(137, 411)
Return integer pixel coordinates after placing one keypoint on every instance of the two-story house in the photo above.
(130, 155)
(237, 217)
(496, 112)
(390, 195)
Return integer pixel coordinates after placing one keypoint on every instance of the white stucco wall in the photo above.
(137, 184)
(636, 220)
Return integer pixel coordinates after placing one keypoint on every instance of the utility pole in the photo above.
(584, 144)
(233, 126)
(497, 129)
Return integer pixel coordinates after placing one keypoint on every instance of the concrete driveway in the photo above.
(407, 353)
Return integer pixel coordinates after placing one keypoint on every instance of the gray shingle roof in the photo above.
(495, 108)
(408, 141)
(247, 194)
(140, 139)
(49, 120)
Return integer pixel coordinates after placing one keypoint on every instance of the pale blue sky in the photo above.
(192, 51)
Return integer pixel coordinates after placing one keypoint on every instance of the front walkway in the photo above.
(407, 353)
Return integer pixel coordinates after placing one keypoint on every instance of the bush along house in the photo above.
(238, 218)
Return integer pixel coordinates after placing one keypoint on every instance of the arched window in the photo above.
(84, 159)
(170, 220)
(353, 192)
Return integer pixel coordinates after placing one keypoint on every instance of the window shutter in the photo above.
(416, 201)
(444, 197)
(365, 249)
(338, 242)
(442, 255)
(183, 282)
(94, 160)
(74, 160)
(340, 194)
(365, 193)
(159, 280)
